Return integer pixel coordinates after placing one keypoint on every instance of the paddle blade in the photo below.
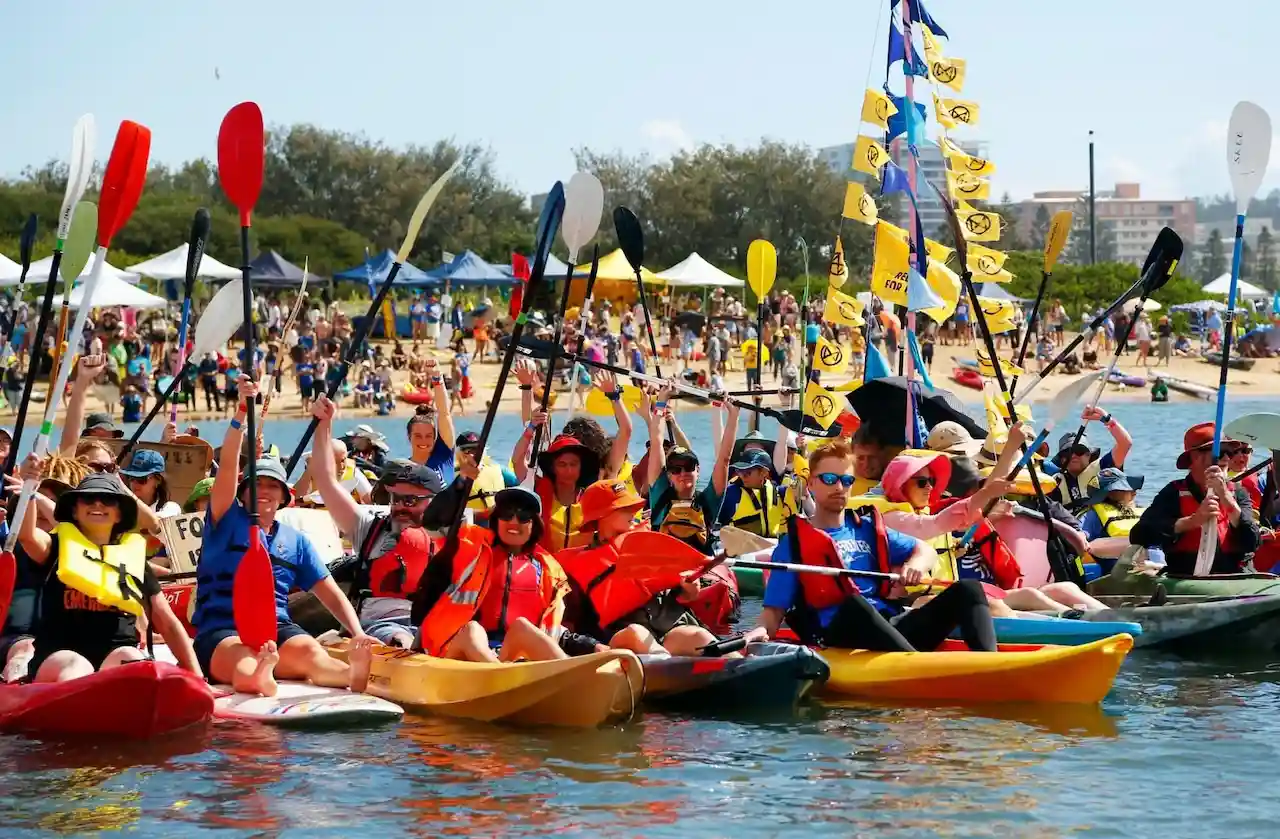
(122, 183)
(1059, 229)
(795, 420)
(27, 241)
(762, 267)
(1248, 151)
(242, 150)
(420, 211)
(221, 318)
(1161, 261)
(196, 245)
(548, 224)
(80, 167)
(79, 241)
(630, 236)
(1064, 403)
(583, 208)
(1261, 430)
(253, 595)
(650, 555)
(8, 576)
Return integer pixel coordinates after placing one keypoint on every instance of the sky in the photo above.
(534, 79)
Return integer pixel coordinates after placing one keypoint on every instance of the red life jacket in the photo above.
(1254, 489)
(718, 604)
(457, 605)
(995, 553)
(1188, 504)
(517, 592)
(397, 572)
(812, 546)
(591, 570)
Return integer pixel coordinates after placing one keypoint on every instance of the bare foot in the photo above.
(20, 655)
(360, 659)
(263, 680)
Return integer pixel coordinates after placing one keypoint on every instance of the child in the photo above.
(132, 403)
(1044, 351)
(790, 381)
(306, 371)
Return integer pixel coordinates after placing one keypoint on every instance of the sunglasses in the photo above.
(100, 468)
(104, 500)
(831, 479)
(924, 482)
(408, 500)
(523, 516)
(680, 470)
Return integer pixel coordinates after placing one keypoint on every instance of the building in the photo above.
(932, 167)
(1253, 227)
(1132, 220)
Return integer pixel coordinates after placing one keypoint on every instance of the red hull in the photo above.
(967, 378)
(141, 700)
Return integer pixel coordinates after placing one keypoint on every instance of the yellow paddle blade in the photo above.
(600, 405)
(762, 267)
(1059, 228)
(420, 211)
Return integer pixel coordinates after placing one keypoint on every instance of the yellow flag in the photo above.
(996, 414)
(986, 261)
(956, 111)
(967, 186)
(937, 251)
(877, 108)
(1000, 314)
(838, 270)
(891, 270)
(978, 225)
(961, 161)
(986, 368)
(869, 156)
(932, 49)
(946, 284)
(948, 71)
(848, 387)
(829, 357)
(821, 404)
(858, 205)
(842, 308)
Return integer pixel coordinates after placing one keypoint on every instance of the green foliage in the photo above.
(1081, 287)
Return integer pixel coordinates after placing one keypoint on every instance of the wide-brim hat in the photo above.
(268, 467)
(1112, 480)
(952, 438)
(98, 484)
(603, 497)
(1067, 443)
(590, 461)
(1197, 438)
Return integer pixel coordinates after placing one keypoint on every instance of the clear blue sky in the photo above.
(1156, 79)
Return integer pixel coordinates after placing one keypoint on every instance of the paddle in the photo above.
(582, 330)
(631, 240)
(362, 332)
(762, 270)
(1063, 404)
(288, 324)
(1261, 430)
(1248, 152)
(583, 209)
(1059, 229)
(195, 252)
(26, 241)
(221, 319)
(121, 186)
(1159, 267)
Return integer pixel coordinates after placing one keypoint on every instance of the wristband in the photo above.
(1106, 419)
(242, 408)
(235, 423)
(613, 396)
(435, 380)
(660, 406)
(526, 387)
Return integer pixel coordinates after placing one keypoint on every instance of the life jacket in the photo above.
(686, 521)
(112, 574)
(718, 604)
(1252, 486)
(561, 525)
(759, 511)
(591, 569)
(488, 484)
(508, 596)
(986, 557)
(1189, 541)
(879, 502)
(458, 604)
(813, 546)
(1072, 491)
(1116, 522)
(792, 491)
(397, 572)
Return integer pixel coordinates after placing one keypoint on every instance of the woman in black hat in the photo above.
(83, 626)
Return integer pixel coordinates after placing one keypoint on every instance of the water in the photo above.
(1178, 749)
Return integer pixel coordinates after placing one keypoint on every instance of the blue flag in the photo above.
(898, 52)
(877, 366)
(898, 123)
(894, 179)
(1275, 302)
(918, 360)
(920, 295)
(922, 15)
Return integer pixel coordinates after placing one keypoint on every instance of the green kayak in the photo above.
(1216, 585)
(750, 581)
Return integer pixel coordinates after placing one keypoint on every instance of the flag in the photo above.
(987, 265)
(946, 285)
(1275, 302)
(967, 186)
(937, 251)
(877, 366)
(898, 52)
(996, 414)
(978, 225)
(869, 156)
(931, 46)
(986, 368)
(898, 124)
(858, 205)
(954, 112)
(821, 404)
(838, 270)
(893, 259)
(894, 179)
(920, 295)
(877, 108)
(848, 387)
(829, 357)
(921, 14)
(948, 71)
(960, 161)
(916, 359)
(520, 272)
(1000, 314)
(842, 308)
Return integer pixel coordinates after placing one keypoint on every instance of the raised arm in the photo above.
(34, 540)
(720, 472)
(444, 422)
(223, 494)
(652, 415)
(323, 474)
(520, 464)
(87, 369)
(608, 384)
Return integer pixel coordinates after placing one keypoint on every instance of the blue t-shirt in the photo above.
(441, 460)
(306, 372)
(132, 404)
(139, 365)
(294, 562)
(856, 544)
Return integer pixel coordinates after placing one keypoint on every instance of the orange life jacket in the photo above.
(396, 573)
(1189, 541)
(458, 604)
(813, 546)
(534, 593)
(591, 570)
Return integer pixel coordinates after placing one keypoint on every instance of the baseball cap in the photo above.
(145, 463)
(603, 497)
(99, 421)
(751, 459)
(682, 454)
(407, 472)
(467, 440)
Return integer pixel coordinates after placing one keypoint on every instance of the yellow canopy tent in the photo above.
(615, 280)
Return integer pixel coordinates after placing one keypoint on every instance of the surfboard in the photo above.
(304, 705)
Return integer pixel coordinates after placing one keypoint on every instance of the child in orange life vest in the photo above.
(76, 633)
(392, 549)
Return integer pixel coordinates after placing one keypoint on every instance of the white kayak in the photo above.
(304, 705)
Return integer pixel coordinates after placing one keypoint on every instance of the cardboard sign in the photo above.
(182, 537)
(185, 464)
(319, 528)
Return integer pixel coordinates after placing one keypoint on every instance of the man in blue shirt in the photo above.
(854, 611)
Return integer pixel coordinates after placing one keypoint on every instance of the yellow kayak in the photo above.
(1021, 674)
(583, 692)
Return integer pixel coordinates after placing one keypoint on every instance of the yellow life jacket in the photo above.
(1114, 522)
(488, 484)
(111, 575)
(884, 505)
(861, 486)
(759, 511)
(627, 474)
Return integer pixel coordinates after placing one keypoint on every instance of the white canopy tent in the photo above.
(9, 270)
(1248, 291)
(695, 271)
(113, 291)
(173, 266)
(40, 272)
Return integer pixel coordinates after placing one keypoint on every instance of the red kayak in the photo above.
(139, 700)
(967, 377)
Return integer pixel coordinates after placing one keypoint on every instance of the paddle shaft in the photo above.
(1115, 360)
(357, 346)
(1031, 319)
(250, 421)
(823, 570)
(555, 353)
(582, 325)
(760, 348)
(653, 343)
(288, 324)
(1228, 331)
(33, 366)
(155, 410)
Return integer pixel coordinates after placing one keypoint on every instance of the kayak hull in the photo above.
(1081, 674)
(750, 581)
(1052, 630)
(580, 692)
(1190, 624)
(967, 377)
(1215, 585)
(139, 700)
(769, 676)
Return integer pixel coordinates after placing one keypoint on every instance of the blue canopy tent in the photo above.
(555, 270)
(466, 269)
(271, 269)
(379, 266)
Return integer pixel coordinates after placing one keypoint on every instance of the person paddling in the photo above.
(1076, 465)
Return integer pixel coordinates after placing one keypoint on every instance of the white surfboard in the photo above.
(304, 705)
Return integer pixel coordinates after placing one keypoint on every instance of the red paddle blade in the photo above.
(8, 573)
(253, 595)
(122, 182)
(649, 555)
(241, 157)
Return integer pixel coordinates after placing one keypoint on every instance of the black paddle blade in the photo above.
(795, 420)
(630, 236)
(548, 227)
(953, 221)
(28, 242)
(1161, 261)
(196, 245)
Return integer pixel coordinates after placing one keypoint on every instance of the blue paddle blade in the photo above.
(548, 228)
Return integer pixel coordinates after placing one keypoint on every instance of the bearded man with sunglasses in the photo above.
(860, 612)
(392, 550)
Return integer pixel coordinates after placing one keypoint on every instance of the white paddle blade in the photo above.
(420, 212)
(1206, 551)
(1260, 430)
(221, 318)
(583, 209)
(1065, 402)
(1248, 151)
(80, 167)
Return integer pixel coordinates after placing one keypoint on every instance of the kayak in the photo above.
(1187, 387)
(1118, 377)
(1026, 673)
(768, 676)
(140, 700)
(584, 691)
(967, 377)
(1235, 362)
(304, 705)
(1047, 629)
(750, 581)
(1190, 623)
(1214, 585)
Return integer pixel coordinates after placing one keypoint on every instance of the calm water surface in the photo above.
(1178, 749)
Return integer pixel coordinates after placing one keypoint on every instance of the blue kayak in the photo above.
(1044, 629)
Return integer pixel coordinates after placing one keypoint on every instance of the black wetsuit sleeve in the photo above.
(1247, 533)
(150, 583)
(1155, 527)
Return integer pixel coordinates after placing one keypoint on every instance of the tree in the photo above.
(1214, 261)
(1266, 265)
(1246, 261)
(1040, 224)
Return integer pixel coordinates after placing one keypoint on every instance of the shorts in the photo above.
(433, 330)
(385, 630)
(1058, 329)
(206, 642)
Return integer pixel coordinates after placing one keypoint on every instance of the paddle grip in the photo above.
(246, 300)
(182, 348)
